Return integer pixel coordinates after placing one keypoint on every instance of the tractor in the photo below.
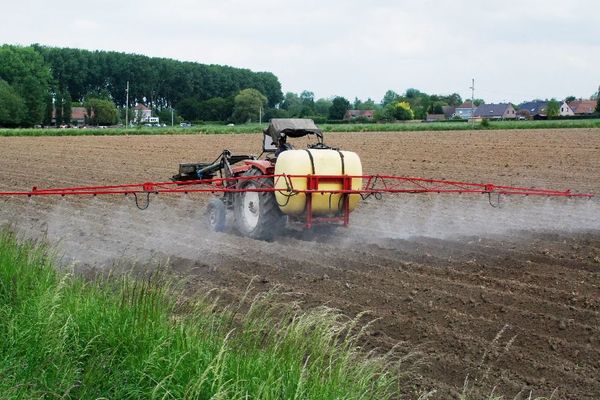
(261, 192)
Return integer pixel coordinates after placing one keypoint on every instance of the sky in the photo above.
(515, 50)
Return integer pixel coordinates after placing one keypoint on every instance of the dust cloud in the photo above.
(452, 216)
(101, 232)
(104, 232)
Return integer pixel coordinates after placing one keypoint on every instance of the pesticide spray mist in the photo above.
(450, 217)
(103, 232)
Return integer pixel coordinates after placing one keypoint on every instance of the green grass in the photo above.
(462, 126)
(198, 129)
(256, 128)
(62, 336)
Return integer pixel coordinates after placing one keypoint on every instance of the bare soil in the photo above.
(507, 299)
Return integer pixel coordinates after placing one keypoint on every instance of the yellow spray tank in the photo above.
(316, 162)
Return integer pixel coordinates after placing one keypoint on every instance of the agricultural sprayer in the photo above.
(318, 185)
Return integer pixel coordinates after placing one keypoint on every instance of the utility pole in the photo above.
(472, 102)
(127, 107)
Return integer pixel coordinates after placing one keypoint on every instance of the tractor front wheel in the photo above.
(257, 214)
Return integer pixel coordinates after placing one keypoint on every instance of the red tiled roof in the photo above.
(583, 106)
(466, 104)
(140, 106)
(78, 113)
(360, 113)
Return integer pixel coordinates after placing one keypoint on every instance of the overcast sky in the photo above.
(515, 50)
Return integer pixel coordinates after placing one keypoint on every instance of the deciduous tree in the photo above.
(368, 104)
(389, 97)
(58, 106)
(553, 108)
(12, 106)
(292, 104)
(27, 73)
(338, 108)
(216, 109)
(396, 111)
(247, 105)
(189, 109)
(67, 108)
(402, 111)
(101, 112)
(322, 107)
(308, 103)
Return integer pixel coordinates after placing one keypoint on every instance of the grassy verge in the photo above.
(256, 128)
(65, 337)
(198, 129)
(463, 126)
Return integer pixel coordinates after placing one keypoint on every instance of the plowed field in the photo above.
(506, 298)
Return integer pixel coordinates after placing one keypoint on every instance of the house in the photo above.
(435, 117)
(538, 109)
(448, 111)
(352, 115)
(141, 113)
(565, 110)
(496, 111)
(465, 110)
(583, 107)
(79, 116)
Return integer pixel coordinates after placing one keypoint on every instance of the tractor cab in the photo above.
(280, 129)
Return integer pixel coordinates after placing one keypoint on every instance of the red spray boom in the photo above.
(373, 185)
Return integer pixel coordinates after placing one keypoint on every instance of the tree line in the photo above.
(39, 84)
(36, 79)
(393, 106)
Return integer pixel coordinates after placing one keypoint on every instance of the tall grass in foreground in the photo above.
(65, 337)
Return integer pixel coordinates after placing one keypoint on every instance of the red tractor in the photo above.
(250, 182)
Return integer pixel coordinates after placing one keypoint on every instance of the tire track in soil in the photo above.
(442, 314)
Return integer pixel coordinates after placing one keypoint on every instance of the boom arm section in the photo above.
(372, 185)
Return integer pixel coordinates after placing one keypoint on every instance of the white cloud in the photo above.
(516, 50)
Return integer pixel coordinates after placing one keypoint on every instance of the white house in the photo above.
(565, 110)
(465, 110)
(141, 113)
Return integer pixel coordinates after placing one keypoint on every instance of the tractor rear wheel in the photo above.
(216, 215)
(257, 214)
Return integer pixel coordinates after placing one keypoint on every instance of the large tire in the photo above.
(257, 214)
(216, 215)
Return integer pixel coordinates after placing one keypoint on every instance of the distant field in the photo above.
(254, 128)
